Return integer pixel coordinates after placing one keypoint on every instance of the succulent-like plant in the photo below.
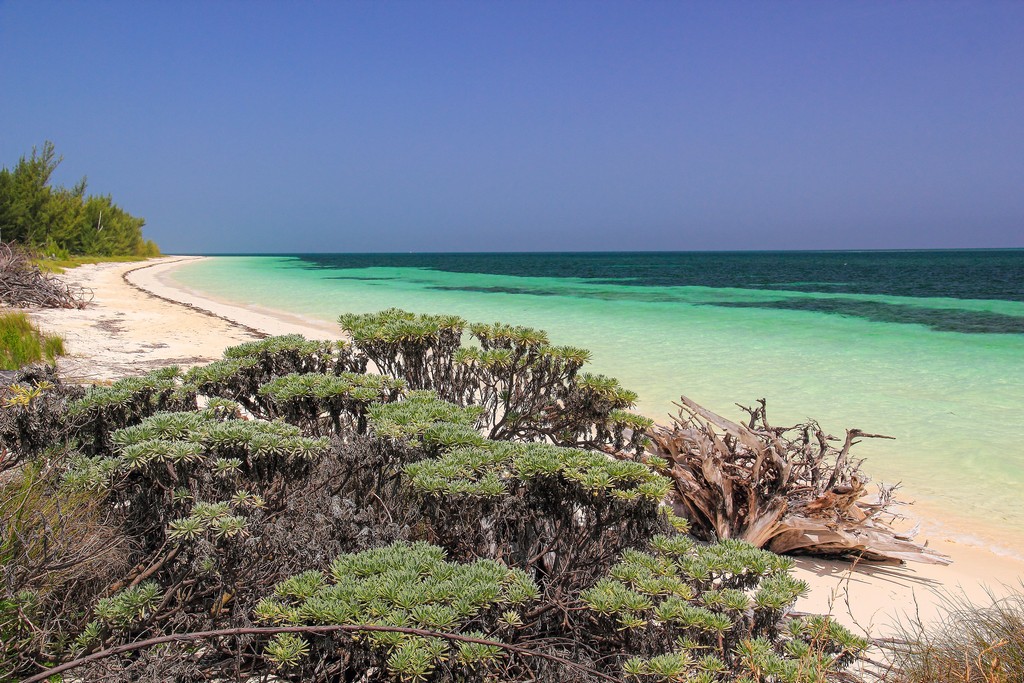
(286, 649)
(527, 389)
(130, 606)
(319, 402)
(94, 474)
(473, 470)
(416, 347)
(410, 585)
(104, 409)
(33, 413)
(535, 503)
(735, 633)
(555, 538)
(247, 367)
(223, 446)
(423, 420)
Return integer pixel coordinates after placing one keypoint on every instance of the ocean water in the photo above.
(927, 347)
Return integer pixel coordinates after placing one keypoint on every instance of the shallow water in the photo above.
(927, 347)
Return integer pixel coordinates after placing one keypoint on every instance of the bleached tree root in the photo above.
(785, 489)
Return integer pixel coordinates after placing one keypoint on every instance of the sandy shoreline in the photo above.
(141, 320)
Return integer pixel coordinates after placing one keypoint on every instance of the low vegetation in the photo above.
(59, 265)
(22, 343)
(472, 513)
(528, 389)
(970, 643)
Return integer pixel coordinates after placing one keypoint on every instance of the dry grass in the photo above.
(58, 553)
(969, 644)
(51, 536)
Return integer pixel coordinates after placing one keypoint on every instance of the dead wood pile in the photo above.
(24, 285)
(785, 489)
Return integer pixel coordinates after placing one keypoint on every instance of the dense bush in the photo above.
(423, 421)
(417, 348)
(330, 404)
(247, 367)
(33, 415)
(407, 586)
(58, 550)
(528, 389)
(689, 611)
(563, 514)
(62, 221)
(311, 522)
(94, 417)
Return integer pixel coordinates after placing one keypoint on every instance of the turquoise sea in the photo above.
(925, 346)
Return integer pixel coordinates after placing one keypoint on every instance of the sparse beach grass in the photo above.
(971, 643)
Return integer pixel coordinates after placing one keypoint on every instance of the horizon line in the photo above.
(602, 251)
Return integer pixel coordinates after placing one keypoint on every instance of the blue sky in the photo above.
(522, 126)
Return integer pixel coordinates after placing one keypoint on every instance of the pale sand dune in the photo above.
(153, 322)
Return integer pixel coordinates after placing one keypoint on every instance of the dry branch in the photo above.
(315, 630)
(23, 284)
(786, 489)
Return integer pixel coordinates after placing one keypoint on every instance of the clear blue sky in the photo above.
(480, 126)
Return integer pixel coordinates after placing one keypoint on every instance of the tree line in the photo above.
(64, 221)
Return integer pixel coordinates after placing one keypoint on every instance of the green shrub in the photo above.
(688, 610)
(105, 409)
(21, 342)
(56, 547)
(194, 491)
(489, 468)
(526, 389)
(558, 512)
(405, 585)
(501, 503)
(247, 367)
(319, 402)
(291, 350)
(59, 265)
(147, 249)
(425, 421)
(417, 348)
(32, 414)
(172, 447)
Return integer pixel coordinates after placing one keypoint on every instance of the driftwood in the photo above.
(23, 284)
(785, 489)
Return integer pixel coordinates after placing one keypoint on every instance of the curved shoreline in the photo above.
(141, 319)
(174, 264)
(153, 280)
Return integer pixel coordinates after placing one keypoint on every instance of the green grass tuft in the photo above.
(21, 342)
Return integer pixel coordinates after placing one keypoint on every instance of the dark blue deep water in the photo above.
(994, 275)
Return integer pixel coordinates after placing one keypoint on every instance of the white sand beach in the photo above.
(140, 320)
(137, 322)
